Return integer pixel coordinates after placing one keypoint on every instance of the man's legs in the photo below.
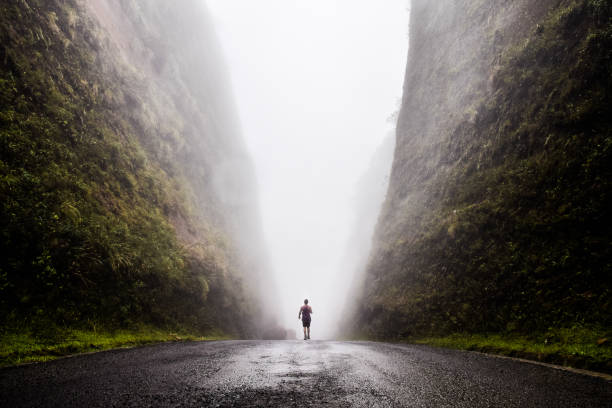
(308, 332)
(305, 338)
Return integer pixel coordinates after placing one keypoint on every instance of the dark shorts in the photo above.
(306, 322)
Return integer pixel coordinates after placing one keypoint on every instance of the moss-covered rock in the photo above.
(498, 212)
(113, 162)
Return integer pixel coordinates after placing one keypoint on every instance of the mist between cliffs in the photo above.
(170, 167)
(316, 84)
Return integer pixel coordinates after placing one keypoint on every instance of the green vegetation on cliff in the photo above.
(500, 222)
(94, 197)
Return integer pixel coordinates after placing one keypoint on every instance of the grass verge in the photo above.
(20, 348)
(568, 347)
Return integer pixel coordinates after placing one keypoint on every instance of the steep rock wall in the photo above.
(128, 194)
(499, 191)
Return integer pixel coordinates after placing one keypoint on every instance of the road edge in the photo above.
(589, 373)
(126, 346)
(605, 376)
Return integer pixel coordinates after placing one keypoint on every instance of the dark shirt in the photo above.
(305, 311)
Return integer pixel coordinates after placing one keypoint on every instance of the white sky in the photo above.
(314, 82)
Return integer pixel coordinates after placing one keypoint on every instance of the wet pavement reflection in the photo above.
(296, 373)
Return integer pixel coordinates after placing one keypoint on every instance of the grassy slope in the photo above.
(515, 241)
(25, 347)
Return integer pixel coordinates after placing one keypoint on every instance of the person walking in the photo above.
(304, 314)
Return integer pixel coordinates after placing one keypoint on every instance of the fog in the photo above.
(315, 83)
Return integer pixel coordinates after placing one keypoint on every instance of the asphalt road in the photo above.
(296, 373)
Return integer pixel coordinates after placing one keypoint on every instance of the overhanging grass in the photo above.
(19, 348)
(577, 348)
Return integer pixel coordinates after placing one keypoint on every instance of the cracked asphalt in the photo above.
(296, 373)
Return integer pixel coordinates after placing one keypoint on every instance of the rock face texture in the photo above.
(127, 193)
(497, 213)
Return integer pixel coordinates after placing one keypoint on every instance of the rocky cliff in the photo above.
(498, 210)
(127, 192)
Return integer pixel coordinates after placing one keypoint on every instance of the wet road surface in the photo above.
(296, 373)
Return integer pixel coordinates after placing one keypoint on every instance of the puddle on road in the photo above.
(285, 369)
(281, 364)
